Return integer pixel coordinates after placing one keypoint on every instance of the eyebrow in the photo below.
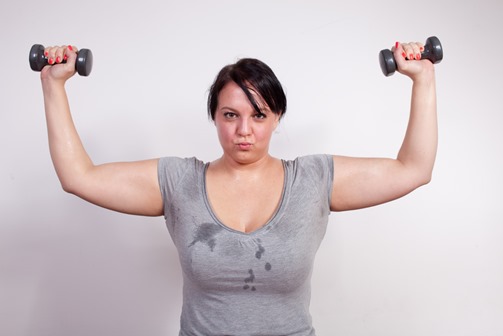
(262, 110)
(227, 108)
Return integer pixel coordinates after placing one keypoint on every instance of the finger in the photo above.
(421, 46)
(396, 46)
(408, 51)
(59, 54)
(403, 53)
(416, 50)
(70, 53)
(54, 54)
(50, 54)
(412, 50)
(398, 51)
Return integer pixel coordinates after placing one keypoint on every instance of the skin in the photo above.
(244, 185)
(364, 182)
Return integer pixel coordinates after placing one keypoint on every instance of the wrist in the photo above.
(51, 84)
(426, 76)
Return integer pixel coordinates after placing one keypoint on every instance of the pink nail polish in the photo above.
(411, 56)
(403, 54)
(58, 59)
(46, 53)
(51, 61)
(65, 58)
(396, 45)
(418, 56)
(70, 48)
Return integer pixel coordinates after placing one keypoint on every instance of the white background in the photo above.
(430, 263)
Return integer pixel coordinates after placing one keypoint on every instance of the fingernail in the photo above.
(51, 61)
(46, 53)
(418, 56)
(65, 58)
(411, 56)
(403, 54)
(58, 59)
(396, 45)
(70, 47)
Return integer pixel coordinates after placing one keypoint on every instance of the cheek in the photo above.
(224, 133)
(265, 133)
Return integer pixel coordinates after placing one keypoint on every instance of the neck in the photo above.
(239, 169)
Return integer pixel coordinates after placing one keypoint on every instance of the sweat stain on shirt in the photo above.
(205, 234)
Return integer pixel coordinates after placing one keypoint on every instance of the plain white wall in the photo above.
(427, 264)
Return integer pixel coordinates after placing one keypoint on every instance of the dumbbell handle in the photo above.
(83, 64)
(432, 51)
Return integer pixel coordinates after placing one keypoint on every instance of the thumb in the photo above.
(399, 55)
(71, 54)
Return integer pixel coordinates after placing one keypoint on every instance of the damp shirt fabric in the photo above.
(237, 283)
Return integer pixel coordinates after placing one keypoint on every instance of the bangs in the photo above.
(252, 76)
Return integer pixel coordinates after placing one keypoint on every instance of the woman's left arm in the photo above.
(365, 182)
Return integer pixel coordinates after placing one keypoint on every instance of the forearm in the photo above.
(67, 152)
(419, 148)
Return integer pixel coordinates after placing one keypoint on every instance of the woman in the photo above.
(247, 225)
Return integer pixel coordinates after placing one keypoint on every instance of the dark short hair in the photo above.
(249, 74)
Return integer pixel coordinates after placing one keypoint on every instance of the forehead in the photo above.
(231, 90)
(232, 95)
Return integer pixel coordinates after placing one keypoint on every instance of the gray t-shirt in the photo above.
(254, 283)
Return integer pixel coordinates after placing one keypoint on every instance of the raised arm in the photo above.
(364, 182)
(129, 187)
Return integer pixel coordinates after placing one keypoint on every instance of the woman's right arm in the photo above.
(128, 187)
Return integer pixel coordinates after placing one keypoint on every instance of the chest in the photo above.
(275, 256)
(245, 205)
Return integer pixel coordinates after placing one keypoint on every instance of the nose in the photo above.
(244, 127)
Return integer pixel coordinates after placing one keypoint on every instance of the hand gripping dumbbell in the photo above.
(432, 51)
(83, 64)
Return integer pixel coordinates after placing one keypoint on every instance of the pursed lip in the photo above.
(244, 145)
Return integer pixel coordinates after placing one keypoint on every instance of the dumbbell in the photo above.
(83, 64)
(432, 51)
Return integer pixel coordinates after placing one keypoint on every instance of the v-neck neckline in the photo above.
(261, 228)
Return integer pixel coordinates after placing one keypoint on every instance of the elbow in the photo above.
(68, 187)
(416, 178)
(418, 175)
(426, 180)
(72, 181)
(423, 178)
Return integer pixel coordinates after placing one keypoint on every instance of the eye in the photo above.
(230, 115)
(260, 115)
